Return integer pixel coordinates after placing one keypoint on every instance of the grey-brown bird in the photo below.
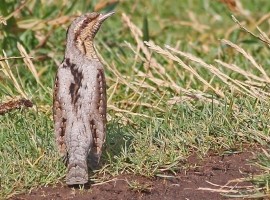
(79, 105)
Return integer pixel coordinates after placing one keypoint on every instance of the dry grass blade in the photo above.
(147, 105)
(193, 96)
(166, 53)
(104, 182)
(127, 112)
(157, 75)
(124, 80)
(154, 72)
(236, 193)
(253, 91)
(260, 134)
(262, 19)
(230, 187)
(218, 190)
(263, 37)
(237, 69)
(225, 78)
(266, 153)
(14, 57)
(5, 67)
(137, 34)
(235, 190)
(248, 57)
(29, 63)
(233, 84)
(119, 77)
(21, 6)
(3, 20)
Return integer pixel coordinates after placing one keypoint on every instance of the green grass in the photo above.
(160, 109)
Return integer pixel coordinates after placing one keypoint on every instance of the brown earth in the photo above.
(185, 185)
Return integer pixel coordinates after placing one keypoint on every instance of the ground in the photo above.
(213, 169)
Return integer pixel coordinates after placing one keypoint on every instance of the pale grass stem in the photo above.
(6, 69)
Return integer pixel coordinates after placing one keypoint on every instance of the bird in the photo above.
(79, 99)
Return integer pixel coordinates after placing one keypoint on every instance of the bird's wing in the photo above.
(59, 119)
(98, 119)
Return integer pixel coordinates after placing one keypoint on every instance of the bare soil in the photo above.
(185, 185)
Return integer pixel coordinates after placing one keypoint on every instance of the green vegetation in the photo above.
(208, 89)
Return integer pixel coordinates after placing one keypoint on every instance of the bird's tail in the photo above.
(78, 147)
(77, 173)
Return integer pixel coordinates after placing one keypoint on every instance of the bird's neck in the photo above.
(87, 48)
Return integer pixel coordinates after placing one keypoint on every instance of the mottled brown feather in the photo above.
(80, 98)
(99, 121)
(58, 117)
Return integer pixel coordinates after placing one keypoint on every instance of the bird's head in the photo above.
(85, 27)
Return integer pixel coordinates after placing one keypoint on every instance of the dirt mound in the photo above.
(213, 169)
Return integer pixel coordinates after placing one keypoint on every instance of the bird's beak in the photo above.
(102, 17)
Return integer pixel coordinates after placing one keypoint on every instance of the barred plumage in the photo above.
(80, 99)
